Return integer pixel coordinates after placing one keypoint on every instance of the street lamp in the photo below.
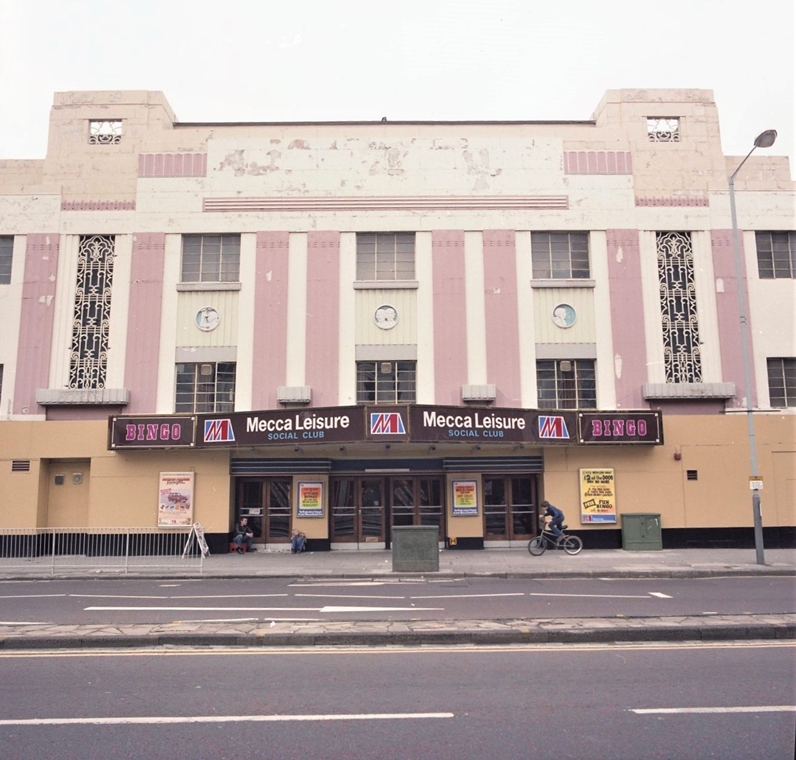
(763, 140)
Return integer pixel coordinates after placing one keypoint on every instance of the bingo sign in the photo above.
(620, 427)
(597, 496)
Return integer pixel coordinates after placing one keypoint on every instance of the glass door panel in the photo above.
(495, 508)
(344, 510)
(371, 511)
(278, 510)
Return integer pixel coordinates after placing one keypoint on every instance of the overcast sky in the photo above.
(315, 60)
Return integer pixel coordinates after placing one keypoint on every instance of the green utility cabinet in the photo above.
(641, 532)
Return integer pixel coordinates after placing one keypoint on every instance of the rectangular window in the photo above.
(105, 132)
(776, 255)
(663, 129)
(386, 382)
(6, 256)
(560, 255)
(205, 387)
(210, 258)
(782, 382)
(386, 256)
(566, 384)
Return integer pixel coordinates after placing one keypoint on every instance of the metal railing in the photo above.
(124, 550)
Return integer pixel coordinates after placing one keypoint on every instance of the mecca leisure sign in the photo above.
(386, 424)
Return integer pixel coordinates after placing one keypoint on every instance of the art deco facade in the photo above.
(351, 326)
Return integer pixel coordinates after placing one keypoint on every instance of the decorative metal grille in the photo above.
(89, 357)
(663, 129)
(681, 351)
(104, 132)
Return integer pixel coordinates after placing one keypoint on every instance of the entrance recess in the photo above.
(364, 509)
(266, 502)
(510, 507)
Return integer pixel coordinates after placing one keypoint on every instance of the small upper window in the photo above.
(389, 382)
(210, 258)
(386, 256)
(104, 132)
(560, 255)
(6, 256)
(663, 129)
(776, 254)
(566, 384)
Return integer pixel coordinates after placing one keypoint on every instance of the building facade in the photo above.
(347, 327)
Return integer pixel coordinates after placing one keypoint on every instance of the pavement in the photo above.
(378, 566)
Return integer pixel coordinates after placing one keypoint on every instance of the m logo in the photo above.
(219, 431)
(387, 423)
(553, 427)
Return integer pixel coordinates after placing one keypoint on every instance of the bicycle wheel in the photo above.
(536, 546)
(572, 545)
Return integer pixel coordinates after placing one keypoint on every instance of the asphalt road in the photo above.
(594, 702)
(128, 601)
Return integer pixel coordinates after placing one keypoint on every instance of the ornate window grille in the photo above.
(663, 129)
(88, 361)
(104, 132)
(680, 323)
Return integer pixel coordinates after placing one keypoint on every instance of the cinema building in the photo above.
(347, 327)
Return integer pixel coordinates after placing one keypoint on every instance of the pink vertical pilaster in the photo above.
(323, 317)
(143, 321)
(269, 364)
(36, 321)
(727, 313)
(502, 327)
(450, 316)
(627, 318)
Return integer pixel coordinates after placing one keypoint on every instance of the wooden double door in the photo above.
(364, 509)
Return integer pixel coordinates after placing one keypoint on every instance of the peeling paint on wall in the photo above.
(237, 162)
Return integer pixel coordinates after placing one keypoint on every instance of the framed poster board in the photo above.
(175, 500)
(310, 499)
(464, 498)
(597, 496)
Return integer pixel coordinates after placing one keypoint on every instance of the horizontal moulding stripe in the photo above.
(494, 464)
(268, 466)
(396, 203)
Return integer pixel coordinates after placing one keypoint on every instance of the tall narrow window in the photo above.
(386, 256)
(88, 362)
(566, 384)
(206, 387)
(560, 255)
(782, 382)
(681, 352)
(210, 258)
(386, 382)
(6, 257)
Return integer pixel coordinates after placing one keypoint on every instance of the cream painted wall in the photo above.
(526, 320)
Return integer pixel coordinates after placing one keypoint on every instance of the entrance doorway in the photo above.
(266, 502)
(510, 507)
(364, 509)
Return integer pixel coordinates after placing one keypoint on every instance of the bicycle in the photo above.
(546, 540)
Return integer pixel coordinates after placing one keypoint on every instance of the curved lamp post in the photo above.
(763, 140)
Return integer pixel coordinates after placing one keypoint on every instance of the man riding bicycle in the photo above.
(557, 519)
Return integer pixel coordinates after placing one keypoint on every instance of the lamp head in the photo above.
(766, 139)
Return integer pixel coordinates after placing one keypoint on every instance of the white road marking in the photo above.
(173, 596)
(468, 596)
(219, 719)
(347, 596)
(30, 596)
(381, 609)
(659, 595)
(689, 710)
(595, 596)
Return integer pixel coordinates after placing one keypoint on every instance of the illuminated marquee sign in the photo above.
(620, 427)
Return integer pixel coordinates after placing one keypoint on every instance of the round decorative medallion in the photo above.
(385, 317)
(207, 319)
(564, 315)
